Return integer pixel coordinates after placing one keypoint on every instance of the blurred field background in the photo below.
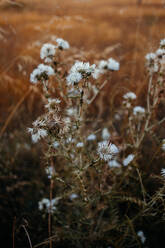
(121, 29)
(96, 29)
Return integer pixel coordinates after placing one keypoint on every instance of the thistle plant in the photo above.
(88, 163)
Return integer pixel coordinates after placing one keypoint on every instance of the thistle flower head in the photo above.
(107, 151)
(162, 172)
(80, 144)
(113, 65)
(73, 196)
(114, 163)
(162, 43)
(37, 134)
(50, 171)
(128, 159)
(152, 62)
(41, 72)
(105, 134)
(73, 78)
(141, 236)
(150, 56)
(85, 69)
(50, 206)
(91, 137)
(62, 44)
(160, 52)
(103, 65)
(53, 104)
(129, 96)
(163, 145)
(138, 110)
(47, 52)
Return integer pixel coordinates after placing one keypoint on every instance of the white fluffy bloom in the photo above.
(56, 144)
(37, 134)
(138, 110)
(103, 65)
(113, 163)
(74, 78)
(34, 76)
(39, 123)
(70, 140)
(105, 134)
(160, 52)
(49, 205)
(162, 43)
(71, 111)
(96, 73)
(128, 159)
(40, 72)
(62, 44)
(47, 52)
(129, 96)
(50, 171)
(141, 236)
(46, 69)
(162, 172)
(91, 137)
(152, 62)
(106, 151)
(80, 144)
(113, 65)
(163, 145)
(83, 68)
(150, 56)
(73, 196)
(52, 103)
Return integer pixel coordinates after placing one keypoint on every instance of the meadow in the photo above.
(82, 146)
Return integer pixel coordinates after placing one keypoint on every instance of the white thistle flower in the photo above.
(46, 69)
(49, 205)
(96, 73)
(37, 134)
(163, 145)
(129, 96)
(73, 78)
(106, 151)
(41, 72)
(56, 144)
(105, 134)
(113, 65)
(80, 144)
(141, 236)
(162, 172)
(160, 52)
(53, 104)
(152, 62)
(91, 137)
(85, 69)
(138, 110)
(62, 44)
(39, 123)
(128, 159)
(103, 65)
(162, 43)
(71, 111)
(50, 171)
(70, 140)
(113, 163)
(73, 196)
(150, 56)
(34, 76)
(47, 52)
